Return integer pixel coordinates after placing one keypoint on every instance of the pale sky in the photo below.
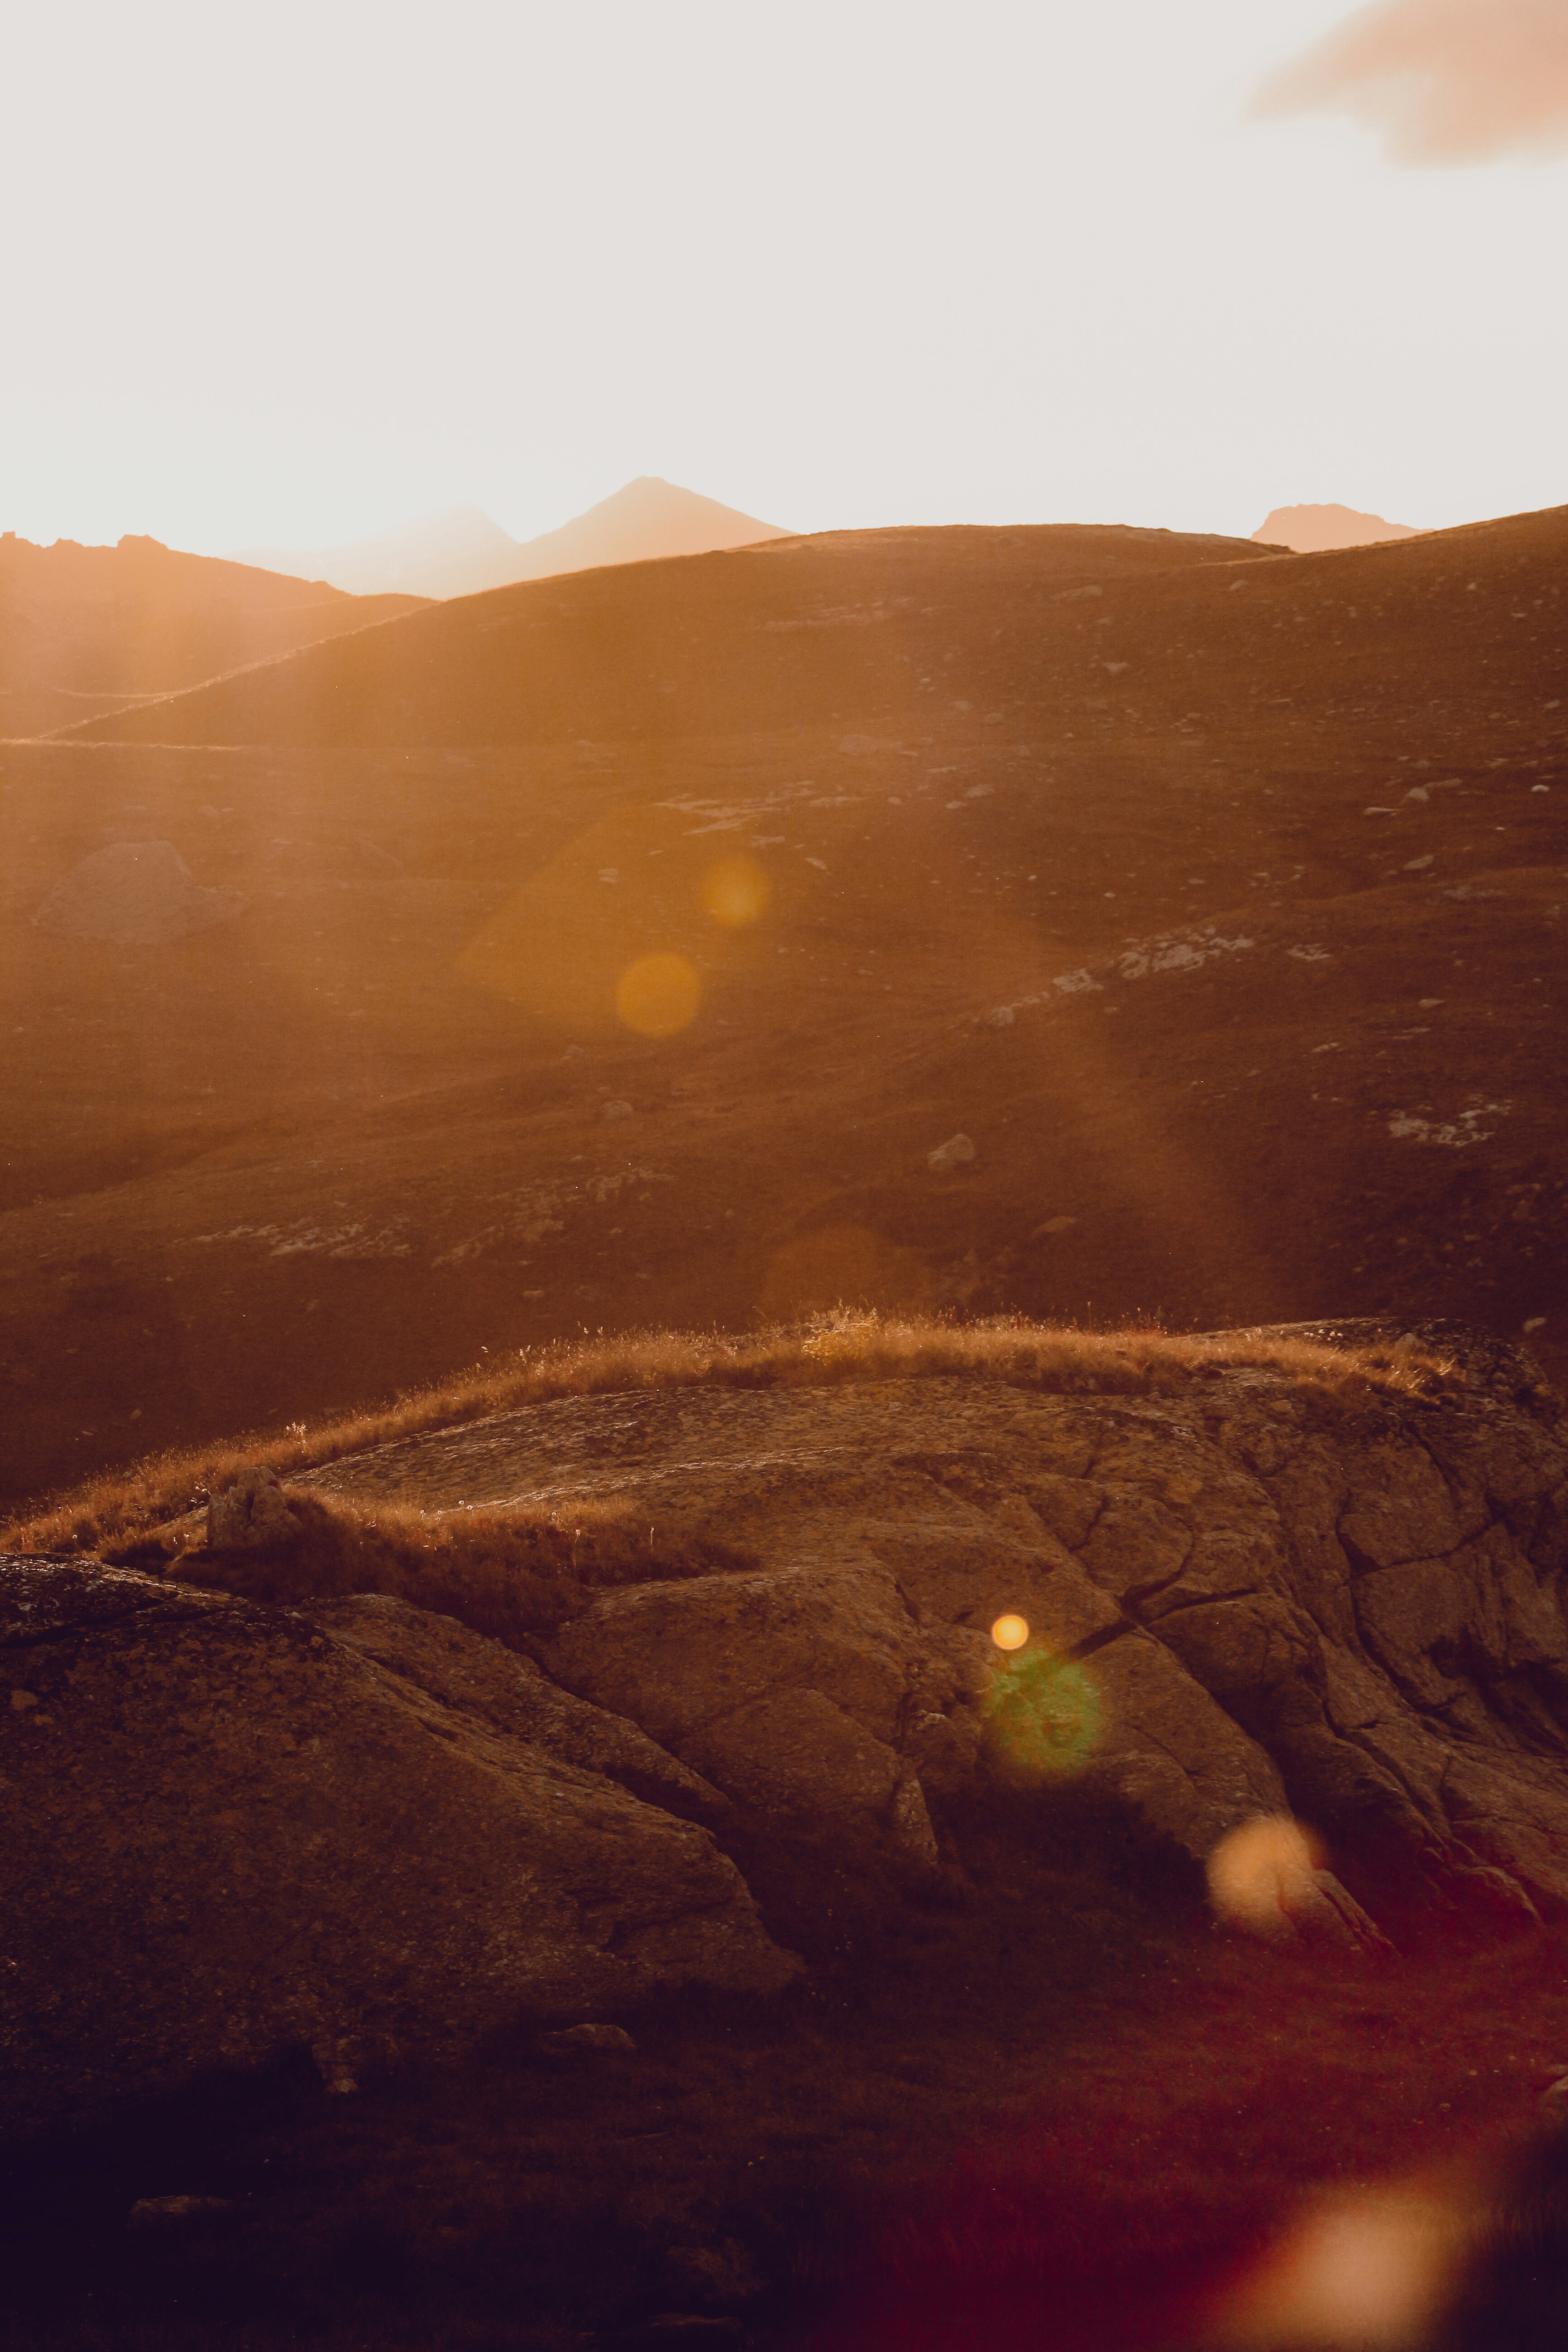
(295, 274)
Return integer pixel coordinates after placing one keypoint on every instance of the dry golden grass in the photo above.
(112, 1509)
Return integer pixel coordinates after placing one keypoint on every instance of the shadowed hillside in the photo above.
(1213, 896)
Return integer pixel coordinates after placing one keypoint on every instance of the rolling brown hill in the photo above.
(1213, 894)
(87, 629)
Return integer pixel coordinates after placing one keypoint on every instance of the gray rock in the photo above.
(956, 1152)
(482, 1678)
(162, 2212)
(229, 1833)
(783, 1689)
(590, 2037)
(1347, 1610)
(134, 894)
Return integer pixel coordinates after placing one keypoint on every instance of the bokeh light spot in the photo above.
(1043, 1713)
(735, 891)
(658, 995)
(1260, 1873)
(1369, 2268)
(1010, 1633)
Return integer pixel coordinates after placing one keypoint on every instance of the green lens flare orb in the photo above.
(1043, 1712)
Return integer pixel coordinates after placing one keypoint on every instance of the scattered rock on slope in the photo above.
(134, 894)
(230, 1830)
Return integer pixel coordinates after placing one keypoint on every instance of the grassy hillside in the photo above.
(161, 1492)
(1213, 896)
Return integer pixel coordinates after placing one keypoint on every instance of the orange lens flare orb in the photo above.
(1370, 2267)
(658, 995)
(1263, 1872)
(1010, 1633)
(735, 891)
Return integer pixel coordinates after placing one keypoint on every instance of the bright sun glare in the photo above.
(1010, 1633)
(1258, 1872)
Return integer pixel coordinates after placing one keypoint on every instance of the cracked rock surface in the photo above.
(1350, 1608)
(231, 1830)
(353, 1826)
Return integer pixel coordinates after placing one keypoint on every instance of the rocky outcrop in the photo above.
(1278, 1597)
(231, 1830)
(351, 1824)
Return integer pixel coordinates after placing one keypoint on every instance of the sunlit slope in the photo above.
(894, 626)
(1118, 631)
(80, 626)
(1221, 910)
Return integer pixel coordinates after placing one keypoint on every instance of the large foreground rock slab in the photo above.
(229, 1830)
(1346, 1605)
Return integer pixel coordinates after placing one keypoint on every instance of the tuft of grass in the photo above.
(832, 1349)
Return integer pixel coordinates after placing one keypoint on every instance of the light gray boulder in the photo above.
(134, 894)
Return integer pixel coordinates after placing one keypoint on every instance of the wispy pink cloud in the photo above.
(1445, 81)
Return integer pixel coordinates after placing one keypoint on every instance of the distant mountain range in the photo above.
(462, 552)
(1310, 530)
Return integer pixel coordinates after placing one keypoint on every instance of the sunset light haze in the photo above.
(783, 1176)
(298, 277)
